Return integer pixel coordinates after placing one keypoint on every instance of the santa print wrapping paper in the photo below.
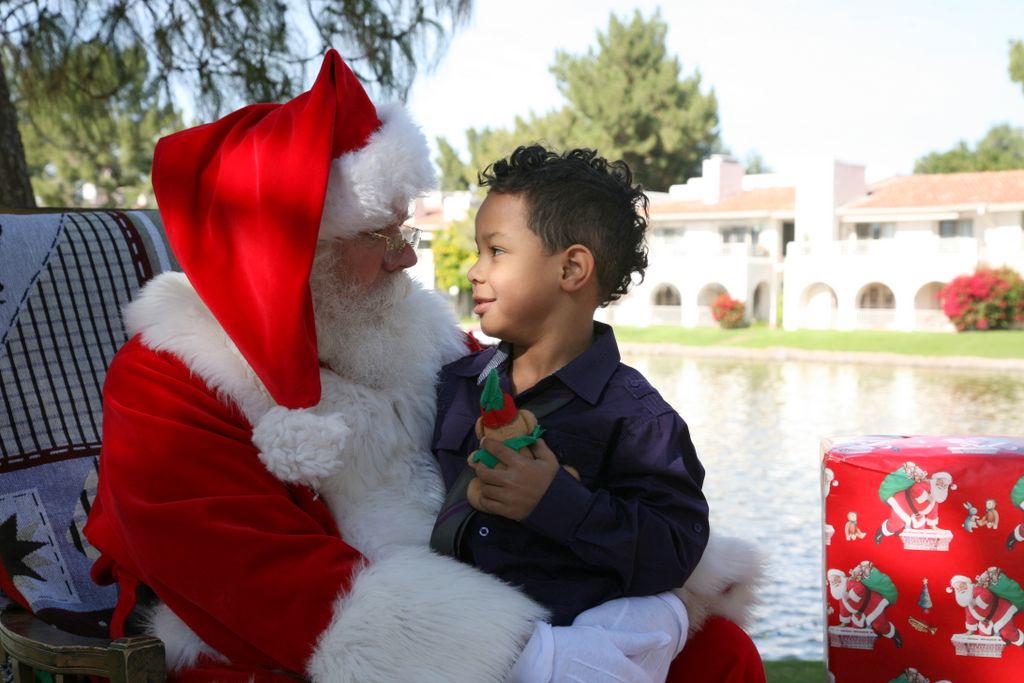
(924, 559)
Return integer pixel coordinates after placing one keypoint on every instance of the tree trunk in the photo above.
(15, 186)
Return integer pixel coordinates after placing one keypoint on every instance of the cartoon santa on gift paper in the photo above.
(863, 597)
(991, 603)
(914, 499)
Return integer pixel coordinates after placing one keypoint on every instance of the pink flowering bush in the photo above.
(728, 312)
(990, 299)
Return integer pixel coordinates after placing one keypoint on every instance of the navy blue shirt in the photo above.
(635, 524)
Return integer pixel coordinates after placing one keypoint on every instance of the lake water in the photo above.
(757, 428)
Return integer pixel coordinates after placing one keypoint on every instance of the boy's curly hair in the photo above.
(580, 198)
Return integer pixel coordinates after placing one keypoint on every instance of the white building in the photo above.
(882, 260)
(721, 233)
(840, 254)
(834, 251)
(430, 214)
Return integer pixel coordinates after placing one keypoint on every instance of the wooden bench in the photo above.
(64, 278)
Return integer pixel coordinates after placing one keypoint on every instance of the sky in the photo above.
(872, 82)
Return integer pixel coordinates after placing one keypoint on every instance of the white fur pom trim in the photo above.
(417, 616)
(724, 583)
(370, 188)
(299, 446)
(182, 647)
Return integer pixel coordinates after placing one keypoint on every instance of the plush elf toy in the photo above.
(501, 419)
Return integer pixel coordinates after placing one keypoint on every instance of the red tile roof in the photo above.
(943, 189)
(765, 199)
(428, 216)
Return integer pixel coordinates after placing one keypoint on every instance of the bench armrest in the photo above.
(33, 644)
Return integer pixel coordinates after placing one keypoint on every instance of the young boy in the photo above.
(558, 236)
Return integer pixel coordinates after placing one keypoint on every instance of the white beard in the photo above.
(361, 331)
(939, 495)
(961, 588)
(838, 590)
(383, 346)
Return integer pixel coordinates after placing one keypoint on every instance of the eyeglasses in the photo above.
(394, 245)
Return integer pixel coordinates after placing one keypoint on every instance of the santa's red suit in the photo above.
(278, 511)
(199, 491)
(861, 608)
(987, 614)
(913, 508)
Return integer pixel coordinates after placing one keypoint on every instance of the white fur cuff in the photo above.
(299, 446)
(417, 616)
(182, 647)
(724, 583)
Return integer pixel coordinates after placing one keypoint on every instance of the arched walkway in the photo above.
(666, 305)
(705, 298)
(876, 307)
(928, 313)
(761, 309)
(818, 306)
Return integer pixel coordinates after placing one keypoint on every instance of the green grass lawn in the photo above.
(998, 344)
(795, 671)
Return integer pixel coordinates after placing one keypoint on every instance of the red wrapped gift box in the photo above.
(924, 555)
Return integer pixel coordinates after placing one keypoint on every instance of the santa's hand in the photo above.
(582, 654)
(513, 488)
(661, 615)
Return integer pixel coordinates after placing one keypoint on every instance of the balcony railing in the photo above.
(705, 318)
(666, 315)
(876, 318)
(966, 246)
(930, 319)
(708, 250)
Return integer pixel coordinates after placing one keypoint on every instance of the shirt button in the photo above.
(484, 531)
(698, 527)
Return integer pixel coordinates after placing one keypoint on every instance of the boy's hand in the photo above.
(517, 483)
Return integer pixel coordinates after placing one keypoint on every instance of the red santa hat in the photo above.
(244, 200)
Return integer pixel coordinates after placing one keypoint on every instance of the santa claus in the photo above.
(990, 603)
(266, 495)
(863, 599)
(913, 498)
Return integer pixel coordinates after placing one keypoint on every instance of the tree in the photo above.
(454, 172)
(1017, 62)
(485, 146)
(633, 104)
(222, 53)
(925, 601)
(755, 163)
(15, 187)
(628, 99)
(1001, 149)
(454, 251)
(106, 141)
